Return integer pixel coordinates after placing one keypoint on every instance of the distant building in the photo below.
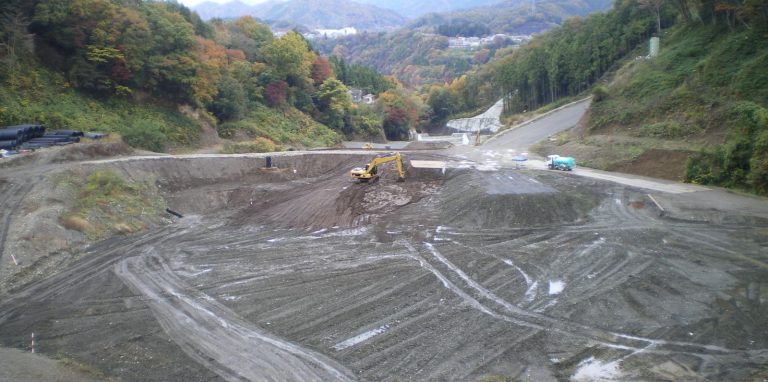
(477, 42)
(330, 33)
(356, 95)
(369, 99)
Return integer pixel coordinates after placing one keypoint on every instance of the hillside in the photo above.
(515, 16)
(698, 112)
(419, 54)
(311, 14)
(166, 80)
(414, 9)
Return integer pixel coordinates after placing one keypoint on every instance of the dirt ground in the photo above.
(298, 274)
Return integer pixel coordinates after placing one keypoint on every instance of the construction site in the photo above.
(473, 267)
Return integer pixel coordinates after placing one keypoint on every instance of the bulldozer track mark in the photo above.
(11, 202)
(215, 336)
(540, 321)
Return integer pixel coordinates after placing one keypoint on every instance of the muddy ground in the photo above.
(456, 274)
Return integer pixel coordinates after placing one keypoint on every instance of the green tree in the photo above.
(230, 102)
(333, 103)
(289, 58)
(363, 121)
(248, 35)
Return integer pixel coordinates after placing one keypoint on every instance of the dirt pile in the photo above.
(69, 153)
(511, 199)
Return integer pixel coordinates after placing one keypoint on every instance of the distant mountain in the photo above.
(208, 10)
(413, 9)
(515, 16)
(313, 14)
(331, 14)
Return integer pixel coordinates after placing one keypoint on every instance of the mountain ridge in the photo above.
(312, 14)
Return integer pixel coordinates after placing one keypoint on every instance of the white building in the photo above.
(330, 33)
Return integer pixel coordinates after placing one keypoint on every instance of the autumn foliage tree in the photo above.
(320, 71)
(163, 49)
(400, 111)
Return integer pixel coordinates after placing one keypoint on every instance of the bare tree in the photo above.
(16, 43)
(655, 7)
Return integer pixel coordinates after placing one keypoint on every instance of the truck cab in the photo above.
(556, 162)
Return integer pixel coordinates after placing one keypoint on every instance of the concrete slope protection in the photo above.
(489, 120)
(476, 269)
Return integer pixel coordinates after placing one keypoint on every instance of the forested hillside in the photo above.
(420, 54)
(130, 66)
(413, 9)
(696, 112)
(512, 16)
(309, 14)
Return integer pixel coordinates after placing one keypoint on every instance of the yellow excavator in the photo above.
(371, 170)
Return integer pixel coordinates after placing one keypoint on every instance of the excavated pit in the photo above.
(297, 273)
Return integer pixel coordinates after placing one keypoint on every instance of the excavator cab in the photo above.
(371, 171)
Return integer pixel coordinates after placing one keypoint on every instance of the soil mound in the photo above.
(69, 153)
(510, 199)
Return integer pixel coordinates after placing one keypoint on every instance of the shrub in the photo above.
(103, 184)
(698, 169)
(758, 177)
(145, 135)
(599, 93)
(77, 223)
(747, 117)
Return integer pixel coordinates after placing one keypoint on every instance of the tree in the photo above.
(400, 113)
(254, 30)
(248, 35)
(172, 33)
(210, 59)
(230, 102)
(655, 7)
(439, 100)
(333, 102)
(363, 121)
(275, 93)
(321, 70)
(289, 58)
(16, 43)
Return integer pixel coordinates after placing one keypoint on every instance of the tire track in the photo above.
(11, 201)
(215, 336)
(92, 265)
(523, 317)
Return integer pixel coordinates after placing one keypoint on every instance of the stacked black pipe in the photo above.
(12, 137)
(58, 137)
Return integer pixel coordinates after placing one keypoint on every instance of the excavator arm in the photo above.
(371, 169)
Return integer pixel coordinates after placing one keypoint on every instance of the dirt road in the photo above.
(476, 269)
